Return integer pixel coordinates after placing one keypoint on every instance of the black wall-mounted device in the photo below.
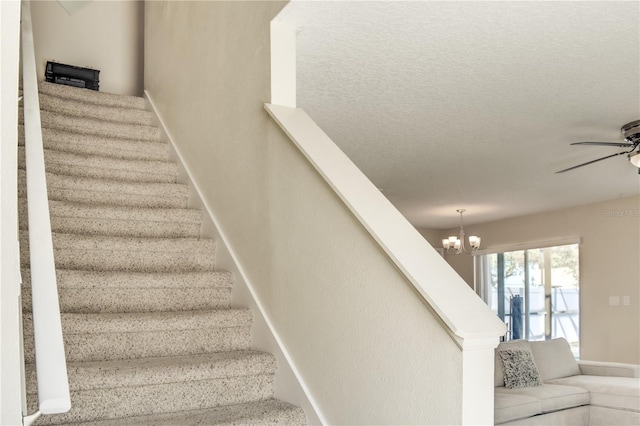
(71, 75)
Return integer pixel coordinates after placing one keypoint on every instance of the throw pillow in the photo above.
(519, 368)
(498, 375)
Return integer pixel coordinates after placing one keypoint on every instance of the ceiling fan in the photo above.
(631, 133)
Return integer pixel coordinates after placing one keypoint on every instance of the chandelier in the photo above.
(455, 244)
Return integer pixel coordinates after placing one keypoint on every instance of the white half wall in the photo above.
(365, 345)
(286, 384)
(103, 35)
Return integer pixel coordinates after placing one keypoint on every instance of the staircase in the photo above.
(149, 331)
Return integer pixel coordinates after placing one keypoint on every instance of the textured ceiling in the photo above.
(447, 105)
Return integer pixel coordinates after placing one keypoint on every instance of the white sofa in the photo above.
(555, 389)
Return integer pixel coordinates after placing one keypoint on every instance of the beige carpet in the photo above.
(150, 335)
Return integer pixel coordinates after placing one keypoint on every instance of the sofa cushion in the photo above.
(552, 397)
(554, 359)
(613, 369)
(498, 373)
(510, 406)
(519, 368)
(602, 416)
(612, 392)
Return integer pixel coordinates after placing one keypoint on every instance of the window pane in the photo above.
(565, 300)
(537, 295)
(547, 280)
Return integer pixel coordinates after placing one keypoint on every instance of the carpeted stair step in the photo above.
(263, 412)
(121, 292)
(110, 336)
(111, 192)
(103, 128)
(106, 253)
(99, 167)
(78, 143)
(91, 96)
(150, 336)
(148, 386)
(88, 219)
(80, 108)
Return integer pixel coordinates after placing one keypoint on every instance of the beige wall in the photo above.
(364, 343)
(609, 266)
(103, 35)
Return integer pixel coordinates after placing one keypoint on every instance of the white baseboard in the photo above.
(288, 385)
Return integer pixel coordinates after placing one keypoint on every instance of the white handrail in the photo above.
(51, 366)
(467, 318)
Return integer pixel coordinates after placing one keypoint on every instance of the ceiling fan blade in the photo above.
(593, 161)
(618, 144)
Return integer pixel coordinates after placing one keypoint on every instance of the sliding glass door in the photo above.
(536, 292)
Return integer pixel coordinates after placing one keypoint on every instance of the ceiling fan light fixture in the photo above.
(631, 132)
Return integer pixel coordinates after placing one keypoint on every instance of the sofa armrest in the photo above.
(614, 369)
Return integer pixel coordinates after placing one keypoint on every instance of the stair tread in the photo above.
(65, 141)
(105, 185)
(122, 227)
(83, 210)
(103, 323)
(84, 108)
(264, 412)
(137, 280)
(104, 167)
(117, 243)
(104, 162)
(144, 371)
(93, 96)
(96, 126)
(82, 291)
(133, 254)
(111, 192)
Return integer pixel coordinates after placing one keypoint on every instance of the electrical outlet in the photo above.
(614, 300)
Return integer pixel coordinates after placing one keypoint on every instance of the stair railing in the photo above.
(51, 366)
(465, 317)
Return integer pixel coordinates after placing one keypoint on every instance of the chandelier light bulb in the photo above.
(474, 241)
(456, 244)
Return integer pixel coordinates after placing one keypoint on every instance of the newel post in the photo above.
(478, 380)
